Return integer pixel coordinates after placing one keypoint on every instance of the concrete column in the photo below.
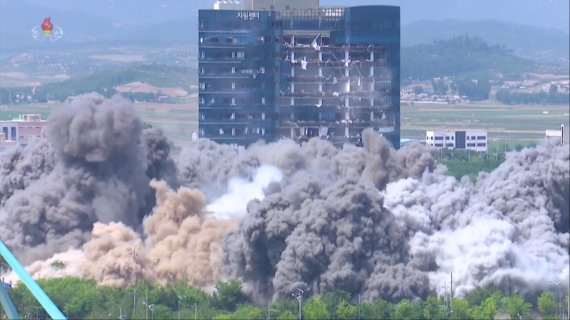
(372, 65)
(346, 57)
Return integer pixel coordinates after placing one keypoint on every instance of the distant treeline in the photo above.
(461, 56)
(508, 97)
(103, 82)
(474, 89)
(84, 299)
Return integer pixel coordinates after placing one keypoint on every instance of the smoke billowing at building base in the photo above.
(108, 199)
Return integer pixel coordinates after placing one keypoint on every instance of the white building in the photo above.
(452, 139)
(266, 5)
(557, 135)
(228, 5)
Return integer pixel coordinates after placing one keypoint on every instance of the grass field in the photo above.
(505, 123)
(510, 122)
(178, 121)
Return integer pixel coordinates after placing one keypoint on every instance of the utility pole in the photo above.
(451, 289)
(134, 254)
(179, 303)
(557, 285)
(568, 300)
(445, 301)
(146, 301)
(195, 309)
(359, 306)
(299, 297)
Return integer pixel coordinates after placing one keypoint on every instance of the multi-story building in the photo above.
(22, 129)
(470, 140)
(291, 69)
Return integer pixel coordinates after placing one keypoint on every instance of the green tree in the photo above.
(376, 310)
(408, 310)
(439, 86)
(478, 295)
(418, 89)
(546, 304)
(283, 305)
(433, 308)
(460, 309)
(228, 295)
(553, 89)
(222, 316)
(315, 308)
(516, 307)
(333, 298)
(346, 310)
(486, 311)
(247, 312)
(287, 315)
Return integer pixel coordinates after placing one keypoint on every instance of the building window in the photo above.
(481, 144)
(233, 85)
(233, 101)
(233, 69)
(263, 100)
(481, 137)
(202, 86)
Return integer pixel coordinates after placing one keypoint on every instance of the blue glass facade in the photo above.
(328, 72)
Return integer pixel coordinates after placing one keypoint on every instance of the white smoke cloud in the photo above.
(507, 229)
(62, 264)
(233, 204)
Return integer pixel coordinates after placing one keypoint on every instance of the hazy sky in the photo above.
(542, 13)
(96, 20)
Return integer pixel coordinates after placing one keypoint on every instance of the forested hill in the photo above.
(462, 56)
(535, 43)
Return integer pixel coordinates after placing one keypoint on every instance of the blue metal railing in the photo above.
(50, 307)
